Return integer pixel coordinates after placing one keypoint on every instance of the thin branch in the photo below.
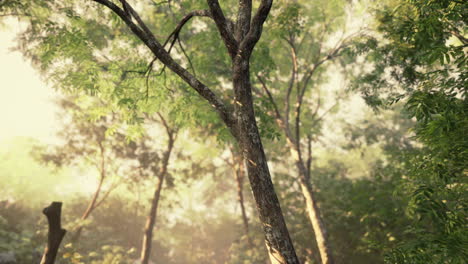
(184, 20)
(169, 130)
(140, 22)
(187, 57)
(317, 107)
(106, 194)
(291, 82)
(301, 91)
(326, 112)
(270, 97)
(309, 155)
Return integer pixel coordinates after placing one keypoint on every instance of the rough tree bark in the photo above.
(55, 234)
(239, 39)
(151, 219)
(294, 142)
(278, 242)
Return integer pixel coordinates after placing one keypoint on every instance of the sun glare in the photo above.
(26, 107)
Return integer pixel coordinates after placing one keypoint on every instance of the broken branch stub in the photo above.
(55, 234)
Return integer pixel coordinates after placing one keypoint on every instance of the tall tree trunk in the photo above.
(151, 219)
(313, 211)
(239, 169)
(278, 242)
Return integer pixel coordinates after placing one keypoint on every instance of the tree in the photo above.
(425, 54)
(160, 172)
(87, 141)
(301, 32)
(239, 38)
(56, 233)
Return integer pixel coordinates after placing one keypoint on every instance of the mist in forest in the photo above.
(283, 132)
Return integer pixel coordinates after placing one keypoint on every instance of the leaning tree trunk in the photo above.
(313, 212)
(278, 242)
(239, 169)
(151, 219)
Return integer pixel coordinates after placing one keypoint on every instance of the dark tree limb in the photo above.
(223, 27)
(255, 30)
(184, 20)
(55, 234)
(243, 19)
(158, 50)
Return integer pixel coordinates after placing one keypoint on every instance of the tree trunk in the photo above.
(151, 219)
(278, 242)
(55, 234)
(240, 176)
(315, 218)
(313, 211)
(89, 210)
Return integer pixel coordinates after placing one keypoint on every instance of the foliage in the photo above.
(17, 234)
(424, 54)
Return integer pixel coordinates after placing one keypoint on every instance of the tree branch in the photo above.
(223, 27)
(291, 82)
(309, 156)
(256, 27)
(184, 20)
(159, 52)
(106, 194)
(270, 97)
(243, 19)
